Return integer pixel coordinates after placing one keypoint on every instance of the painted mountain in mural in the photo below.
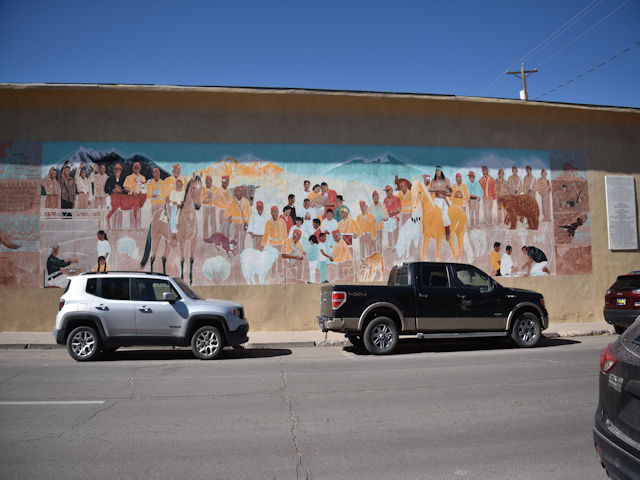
(379, 171)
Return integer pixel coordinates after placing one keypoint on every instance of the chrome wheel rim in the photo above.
(382, 336)
(527, 330)
(207, 343)
(83, 344)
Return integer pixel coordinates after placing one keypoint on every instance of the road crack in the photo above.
(301, 470)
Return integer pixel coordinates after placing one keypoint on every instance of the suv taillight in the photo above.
(338, 299)
(61, 304)
(608, 360)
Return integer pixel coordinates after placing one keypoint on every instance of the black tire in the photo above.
(619, 329)
(381, 336)
(84, 344)
(207, 343)
(526, 331)
(355, 339)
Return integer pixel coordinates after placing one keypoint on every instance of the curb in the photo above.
(323, 343)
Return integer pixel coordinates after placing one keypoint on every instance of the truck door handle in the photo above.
(423, 295)
(102, 307)
(144, 309)
(461, 297)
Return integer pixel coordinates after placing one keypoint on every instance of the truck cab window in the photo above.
(470, 277)
(435, 276)
(399, 276)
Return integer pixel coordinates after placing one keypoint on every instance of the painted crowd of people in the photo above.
(315, 229)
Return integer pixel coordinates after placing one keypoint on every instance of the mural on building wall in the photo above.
(240, 214)
(20, 165)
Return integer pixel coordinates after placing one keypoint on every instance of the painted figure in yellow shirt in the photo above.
(221, 197)
(341, 255)
(293, 253)
(170, 181)
(133, 185)
(348, 227)
(275, 233)
(368, 231)
(155, 188)
(495, 260)
(459, 192)
(405, 199)
(237, 214)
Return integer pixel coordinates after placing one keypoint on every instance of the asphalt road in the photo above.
(461, 410)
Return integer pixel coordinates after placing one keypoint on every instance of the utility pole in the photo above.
(523, 75)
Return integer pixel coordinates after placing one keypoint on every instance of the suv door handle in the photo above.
(423, 295)
(144, 309)
(102, 307)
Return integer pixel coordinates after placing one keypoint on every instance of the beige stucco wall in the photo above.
(610, 136)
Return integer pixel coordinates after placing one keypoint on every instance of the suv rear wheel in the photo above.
(381, 336)
(207, 343)
(526, 331)
(83, 343)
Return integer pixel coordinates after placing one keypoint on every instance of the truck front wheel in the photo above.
(381, 336)
(526, 330)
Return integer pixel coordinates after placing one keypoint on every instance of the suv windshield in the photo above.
(626, 282)
(188, 291)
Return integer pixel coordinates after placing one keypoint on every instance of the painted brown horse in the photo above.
(124, 201)
(187, 230)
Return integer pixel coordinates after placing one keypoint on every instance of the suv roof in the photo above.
(126, 271)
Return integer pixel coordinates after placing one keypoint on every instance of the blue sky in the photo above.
(445, 47)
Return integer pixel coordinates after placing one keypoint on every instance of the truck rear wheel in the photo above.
(381, 336)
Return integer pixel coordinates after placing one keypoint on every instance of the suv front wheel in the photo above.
(207, 343)
(83, 344)
(526, 331)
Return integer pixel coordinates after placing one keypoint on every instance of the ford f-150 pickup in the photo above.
(432, 300)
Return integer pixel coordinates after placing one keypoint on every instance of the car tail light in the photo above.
(608, 360)
(338, 299)
(61, 304)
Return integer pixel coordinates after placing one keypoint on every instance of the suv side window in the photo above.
(114, 288)
(92, 286)
(471, 277)
(151, 289)
(434, 276)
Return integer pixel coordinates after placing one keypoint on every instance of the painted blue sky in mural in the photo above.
(452, 48)
(327, 161)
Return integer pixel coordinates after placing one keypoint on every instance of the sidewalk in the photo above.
(307, 338)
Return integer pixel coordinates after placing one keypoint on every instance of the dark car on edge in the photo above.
(622, 301)
(616, 433)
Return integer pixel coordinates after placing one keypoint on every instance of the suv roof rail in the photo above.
(125, 271)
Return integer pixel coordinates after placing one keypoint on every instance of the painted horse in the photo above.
(424, 210)
(124, 201)
(187, 230)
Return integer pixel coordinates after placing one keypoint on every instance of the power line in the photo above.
(586, 10)
(585, 32)
(590, 70)
(568, 24)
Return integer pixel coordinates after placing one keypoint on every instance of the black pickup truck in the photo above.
(432, 300)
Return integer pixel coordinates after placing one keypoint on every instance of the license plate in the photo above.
(621, 301)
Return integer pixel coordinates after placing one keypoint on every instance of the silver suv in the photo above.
(104, 311)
